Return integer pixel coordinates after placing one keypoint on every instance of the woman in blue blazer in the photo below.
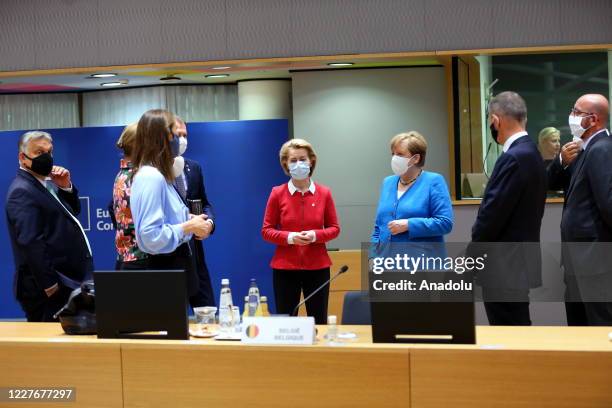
(414, 204)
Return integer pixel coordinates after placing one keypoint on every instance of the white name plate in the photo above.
(278, 330)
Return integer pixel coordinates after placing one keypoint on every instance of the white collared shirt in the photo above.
(586, 142)
(292, 188)
(512, 139)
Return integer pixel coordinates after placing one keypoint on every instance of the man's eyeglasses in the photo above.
(577, 112)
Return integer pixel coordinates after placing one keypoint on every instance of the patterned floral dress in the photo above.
(125, 237)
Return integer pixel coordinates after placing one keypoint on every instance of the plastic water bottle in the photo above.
(225, 300)
(332, 329)
(225, 307)
(253, 298)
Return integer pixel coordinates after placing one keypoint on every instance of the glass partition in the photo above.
(549, 83)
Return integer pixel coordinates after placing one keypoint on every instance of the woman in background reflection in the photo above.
(549, 144)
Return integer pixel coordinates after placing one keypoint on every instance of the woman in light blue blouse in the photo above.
(414, 204)
(162, 223)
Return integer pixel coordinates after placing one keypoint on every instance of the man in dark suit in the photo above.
(584, 170)
(508, 224)
(190, 184)
(51, 252)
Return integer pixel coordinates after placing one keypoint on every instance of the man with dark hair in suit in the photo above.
(51, 251)
(510, 216)
(190, 185)
(584, 170)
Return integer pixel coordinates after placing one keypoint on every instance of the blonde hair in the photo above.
(548, 133)
(126, 140)
(297, 144)
(415, 143)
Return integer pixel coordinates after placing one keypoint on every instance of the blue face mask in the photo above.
(299, 170)
(175, 145)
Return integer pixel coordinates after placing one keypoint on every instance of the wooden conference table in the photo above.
(509, 367)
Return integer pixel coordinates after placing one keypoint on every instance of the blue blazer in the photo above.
(426, 205)
(45, 238)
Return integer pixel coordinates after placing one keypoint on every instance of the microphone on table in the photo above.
(343, 269)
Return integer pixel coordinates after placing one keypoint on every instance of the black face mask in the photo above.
(42, 164)
(494, 133)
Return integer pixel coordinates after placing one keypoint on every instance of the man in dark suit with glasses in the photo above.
(584, 170)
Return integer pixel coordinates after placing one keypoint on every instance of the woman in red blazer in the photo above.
(300, 218)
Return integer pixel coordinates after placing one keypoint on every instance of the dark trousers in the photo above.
(181, 258)
(42, 308)
(288, 284)
(139, 264)
(506, 307)
(204, 296)
(580, 313)
(37, 306)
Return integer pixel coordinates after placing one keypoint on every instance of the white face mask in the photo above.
(578, 141)
(299, 170)
(178, 165)
(400, 164)
(575, 124)
(182, 145)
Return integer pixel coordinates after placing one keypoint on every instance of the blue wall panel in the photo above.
(240, 164)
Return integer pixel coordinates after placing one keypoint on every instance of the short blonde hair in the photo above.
(297, 144)
(415, 143)
(548, 133)
(127, 138)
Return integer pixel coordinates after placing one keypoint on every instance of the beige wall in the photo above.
(350, 116)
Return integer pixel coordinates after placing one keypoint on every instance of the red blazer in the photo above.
(287, 213)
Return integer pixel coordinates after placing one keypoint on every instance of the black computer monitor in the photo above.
(430, 318)
(141, 304)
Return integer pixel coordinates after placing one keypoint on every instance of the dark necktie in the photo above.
(179, 183)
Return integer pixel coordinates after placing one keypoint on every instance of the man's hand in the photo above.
(52, 290)
(61, 177)
(398, 226)
(569, 152)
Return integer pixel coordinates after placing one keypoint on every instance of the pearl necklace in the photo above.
(405, 183)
